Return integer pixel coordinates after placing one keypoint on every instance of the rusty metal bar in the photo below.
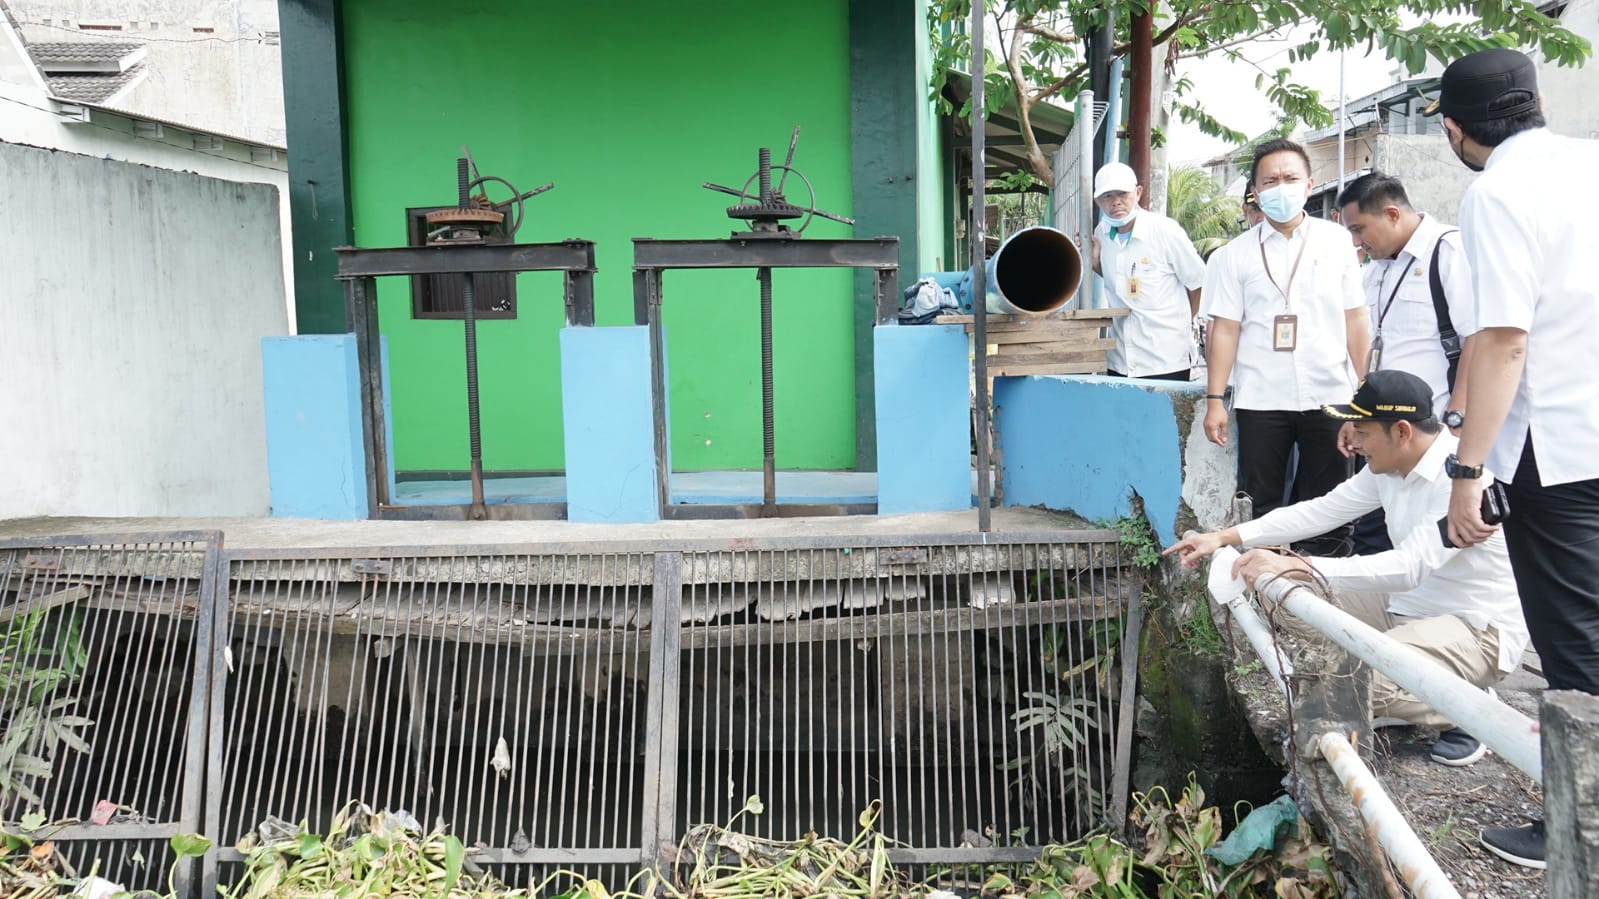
(366, 262)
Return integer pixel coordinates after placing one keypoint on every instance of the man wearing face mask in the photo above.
(1533, 411)
(1288, 325)
(1150, 267)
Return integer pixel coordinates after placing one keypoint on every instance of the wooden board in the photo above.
(1048, 368)
(1067, 315)
(1082, 336)
(1096, 356)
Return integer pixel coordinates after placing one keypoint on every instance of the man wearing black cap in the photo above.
(1458, 606)
(1533, 410)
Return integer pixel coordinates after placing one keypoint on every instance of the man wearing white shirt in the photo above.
(1288, 326)
(1150, 267)
(1458, 606)
(1533, 411)
(1417, 263)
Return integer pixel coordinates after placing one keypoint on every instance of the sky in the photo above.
(1227, 89)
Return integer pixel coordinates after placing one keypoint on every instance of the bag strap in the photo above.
(1440, 307)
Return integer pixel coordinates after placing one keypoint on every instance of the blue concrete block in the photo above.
(610, 440)
(923, 418)
(316, 461)
(1086, 443)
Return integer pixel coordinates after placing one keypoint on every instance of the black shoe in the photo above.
(1457, 749)
(1520, 845)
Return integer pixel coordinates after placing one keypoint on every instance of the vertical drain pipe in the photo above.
(1416, 865)
(979, 270)
(1233, 595)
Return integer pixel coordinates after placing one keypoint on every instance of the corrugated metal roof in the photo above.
(93, 88)
(80, 51)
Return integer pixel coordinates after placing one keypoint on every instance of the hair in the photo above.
(1273, 147)
(1374, 192)
(1494, 132)
(1428, 425)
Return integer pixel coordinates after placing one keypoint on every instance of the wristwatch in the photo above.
(1454, 469)
(1454, 418)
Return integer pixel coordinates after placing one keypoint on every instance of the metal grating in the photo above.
(970, 689)
(102, 649)
(499, 696)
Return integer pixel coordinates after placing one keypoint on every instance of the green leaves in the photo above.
(189, 845)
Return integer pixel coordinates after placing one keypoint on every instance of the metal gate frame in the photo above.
(659, 801)
(193, 775)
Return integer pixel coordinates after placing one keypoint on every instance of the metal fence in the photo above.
(102, 644)
(583, 705)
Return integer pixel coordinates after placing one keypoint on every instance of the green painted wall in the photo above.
(628, 107)
(932, 218)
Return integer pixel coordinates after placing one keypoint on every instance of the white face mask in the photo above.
(1283, 202)
(1119, 222)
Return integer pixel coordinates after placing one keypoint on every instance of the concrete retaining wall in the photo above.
(1089, 445)
(135, 300)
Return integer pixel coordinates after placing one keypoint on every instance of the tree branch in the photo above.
(1024, 106)
(1049, 33)
(1204, 51)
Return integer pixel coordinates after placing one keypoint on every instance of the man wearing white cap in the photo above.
(1150, 267)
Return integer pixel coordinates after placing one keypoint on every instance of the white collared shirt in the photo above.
(1422, 577)
(1239, 287)
(1410, 339)
(1533, 253)
(1150, 274)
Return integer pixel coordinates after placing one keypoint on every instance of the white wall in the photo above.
(133, 301)
(1435, 180)
(227, 79)
(28, 116)
(1568, 94)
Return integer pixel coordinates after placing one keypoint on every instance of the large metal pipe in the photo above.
(1036, 270)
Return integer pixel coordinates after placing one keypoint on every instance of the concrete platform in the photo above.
(268, 533)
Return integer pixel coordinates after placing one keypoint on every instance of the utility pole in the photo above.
(1138, 137)
(1101, 46)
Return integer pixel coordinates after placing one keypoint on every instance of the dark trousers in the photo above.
(1265, 441)
(1553, 537)
(1168, 376)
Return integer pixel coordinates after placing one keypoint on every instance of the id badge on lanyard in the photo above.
(1285, 327)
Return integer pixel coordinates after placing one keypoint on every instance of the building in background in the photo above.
(212, 64)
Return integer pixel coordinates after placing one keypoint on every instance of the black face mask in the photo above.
(1460, 155)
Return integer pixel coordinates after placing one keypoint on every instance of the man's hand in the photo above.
(1194, 547)
(1346, 440)
(1466, 527)
(1258, 563)
(1216, 422)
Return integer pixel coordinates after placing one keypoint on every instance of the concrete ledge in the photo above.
(316, 460)
(1088, 444)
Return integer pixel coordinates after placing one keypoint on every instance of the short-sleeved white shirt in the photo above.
(1410, 339)
(1533, 240)
(1151, 275)
(1239, 287)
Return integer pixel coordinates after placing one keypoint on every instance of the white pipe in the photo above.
(1506, 731)
(1084, 124)
(1342, 123)
(1415, 864)
(1231, 593)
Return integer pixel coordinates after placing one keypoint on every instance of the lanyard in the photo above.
(1283, 289)
(1383, 312)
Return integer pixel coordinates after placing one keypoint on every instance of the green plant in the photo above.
(1138, 538)
(1198, 633)
(40, 652)
(1196, 201)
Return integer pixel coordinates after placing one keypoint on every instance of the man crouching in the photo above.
(1458, 606)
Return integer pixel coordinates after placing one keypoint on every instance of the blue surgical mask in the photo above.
(1121, 222)
(1283, 202)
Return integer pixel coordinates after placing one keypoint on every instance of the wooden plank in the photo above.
(1041, 336)
(1096, 356)
(1042, 324)
(1052, 346)
(1058, 368)
(1059, 316)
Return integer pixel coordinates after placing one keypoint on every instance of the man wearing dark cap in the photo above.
(1458, 606)
(1533, 410)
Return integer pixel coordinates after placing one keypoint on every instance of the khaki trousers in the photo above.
(1468, 653)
